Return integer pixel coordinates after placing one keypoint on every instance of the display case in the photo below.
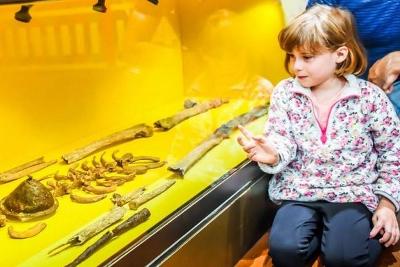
(72, 76)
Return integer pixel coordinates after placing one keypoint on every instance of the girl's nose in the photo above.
(297, 65)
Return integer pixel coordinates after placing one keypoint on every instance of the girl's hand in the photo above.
(257, 148)
(385, 223)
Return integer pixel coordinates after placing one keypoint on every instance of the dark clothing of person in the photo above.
(338, 231)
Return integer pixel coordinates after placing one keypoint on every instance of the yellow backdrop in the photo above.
(73, 75)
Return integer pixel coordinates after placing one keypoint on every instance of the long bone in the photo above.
(138, 131)
(91, 230)
(182, 166)
(167, 123)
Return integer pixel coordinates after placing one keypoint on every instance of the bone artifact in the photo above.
(99, 190)
(219, 134)
(138, 131)
(102, 177)
(168, 123)
(135, 203)
(92, 229)
(129, 158)
(87, 198)
(34, 230)
(24, 170)
(3, 220)
(128, 224)
(120, 200)
(31, 199)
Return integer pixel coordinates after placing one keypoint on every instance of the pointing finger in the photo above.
(245, 132)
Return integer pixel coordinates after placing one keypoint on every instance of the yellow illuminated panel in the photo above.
(72, 75)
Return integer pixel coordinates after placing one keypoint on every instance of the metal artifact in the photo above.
(126, 225)
(91, 230)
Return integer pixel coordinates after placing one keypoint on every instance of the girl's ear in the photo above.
(341, 54)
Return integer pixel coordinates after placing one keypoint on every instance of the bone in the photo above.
(222, 132)
(129, 158)
(134, 132)
(140, 169)
(31, 232)
(8, 177)
(195, 155)
(168, 123)
(121, 200)
(87, 198)
(24, 166)
(3, 220)
(134, 204)
(99, 190)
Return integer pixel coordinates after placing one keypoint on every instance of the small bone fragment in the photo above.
(128, 224)
(103, 222)
(134, 204)
(86, 199)
(8, 177)
(121, 200)
(168, 123)
(34, 230)
(137, 131)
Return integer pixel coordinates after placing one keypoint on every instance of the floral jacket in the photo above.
(354, 158)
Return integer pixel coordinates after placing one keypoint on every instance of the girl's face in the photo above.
(315, 70)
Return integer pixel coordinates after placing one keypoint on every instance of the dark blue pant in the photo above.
(339, 231)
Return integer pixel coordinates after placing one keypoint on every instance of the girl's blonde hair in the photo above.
(325, 27)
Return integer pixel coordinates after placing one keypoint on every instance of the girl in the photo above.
(332, 143)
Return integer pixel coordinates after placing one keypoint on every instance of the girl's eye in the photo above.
(308, 57)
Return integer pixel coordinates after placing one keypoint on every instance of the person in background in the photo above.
(378, 25)
(332, 143)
